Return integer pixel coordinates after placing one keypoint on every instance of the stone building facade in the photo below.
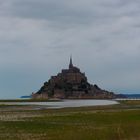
(70, 83)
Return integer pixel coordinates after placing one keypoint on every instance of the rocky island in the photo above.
(71, 83)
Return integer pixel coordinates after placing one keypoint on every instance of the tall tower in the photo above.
(70, 65)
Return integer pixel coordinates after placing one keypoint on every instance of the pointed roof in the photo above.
(70, 64)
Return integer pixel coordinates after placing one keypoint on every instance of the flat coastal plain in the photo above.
(112, 122)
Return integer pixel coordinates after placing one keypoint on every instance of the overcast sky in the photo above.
(38, 36)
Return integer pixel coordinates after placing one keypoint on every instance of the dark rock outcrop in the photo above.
(71, 83)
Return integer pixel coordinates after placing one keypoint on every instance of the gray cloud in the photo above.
(37, 37)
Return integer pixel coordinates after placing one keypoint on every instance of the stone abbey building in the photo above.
(71, 83)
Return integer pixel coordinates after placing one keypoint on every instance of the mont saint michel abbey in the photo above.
(71, 83)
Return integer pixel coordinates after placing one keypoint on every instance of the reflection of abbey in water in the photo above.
(71, 83)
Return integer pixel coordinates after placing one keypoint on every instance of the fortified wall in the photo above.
(71, 83)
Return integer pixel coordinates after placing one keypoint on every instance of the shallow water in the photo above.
(66, 103)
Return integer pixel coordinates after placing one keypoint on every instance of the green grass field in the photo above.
(117, 122)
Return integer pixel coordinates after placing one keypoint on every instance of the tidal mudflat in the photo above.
(64, 103)
(118, 122)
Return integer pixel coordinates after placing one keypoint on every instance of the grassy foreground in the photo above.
(118, 122)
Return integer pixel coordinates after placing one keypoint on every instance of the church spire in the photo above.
(70, 65)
